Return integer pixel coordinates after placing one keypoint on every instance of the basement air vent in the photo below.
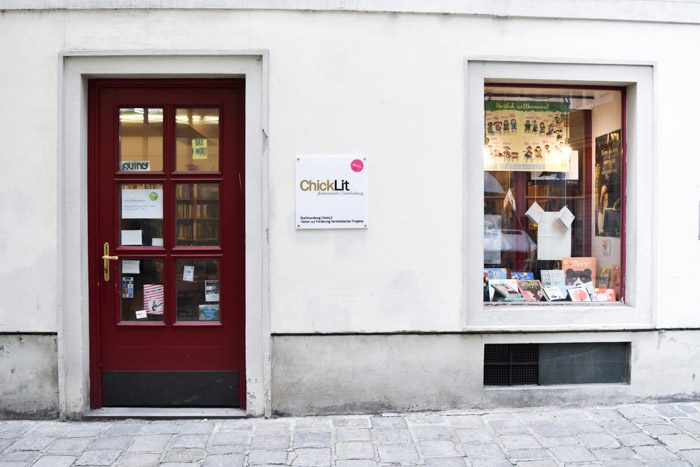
(552, 364)
(510, 364)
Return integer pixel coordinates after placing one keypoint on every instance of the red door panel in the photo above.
(166, 183)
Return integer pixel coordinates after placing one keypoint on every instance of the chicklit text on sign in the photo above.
(331, 192)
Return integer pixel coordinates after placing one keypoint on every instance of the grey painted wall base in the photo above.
(28, 376)
(414, 372)
(385, 373)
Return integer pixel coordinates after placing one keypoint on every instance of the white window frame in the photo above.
(638, 310)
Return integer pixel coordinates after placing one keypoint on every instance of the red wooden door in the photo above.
(166, 240)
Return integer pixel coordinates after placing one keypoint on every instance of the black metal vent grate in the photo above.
(510, 364)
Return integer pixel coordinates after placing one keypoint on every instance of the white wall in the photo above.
(28, 163)
(388, 86)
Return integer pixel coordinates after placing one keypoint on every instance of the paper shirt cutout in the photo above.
(566, 217)
(535, 213)
(553, 232)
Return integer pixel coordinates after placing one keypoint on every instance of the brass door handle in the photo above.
(106, 258)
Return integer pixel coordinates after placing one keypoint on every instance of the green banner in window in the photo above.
(526, 106)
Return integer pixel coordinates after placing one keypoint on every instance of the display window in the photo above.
(554, 194)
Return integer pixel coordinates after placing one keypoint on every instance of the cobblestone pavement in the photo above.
(664, 435)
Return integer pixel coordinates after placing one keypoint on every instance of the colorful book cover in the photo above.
(579, 270)
(554, 294)
(209, 312)
(552, 278)
(496, 273)
(486, 287)
(511, 283)
(522, 276)
(508, 293)
(616, 279)
(604, 278)
(590, 288)
(153, 299)
(531, 290)
(604, 295)
(579, 294)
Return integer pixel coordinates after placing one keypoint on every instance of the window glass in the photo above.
(141, 214)
(197, 284)
(140, 140)
(142, 294)
(197, 214)
(553, 172)
(197, 140)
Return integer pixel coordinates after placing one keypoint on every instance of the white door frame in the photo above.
(75, 69)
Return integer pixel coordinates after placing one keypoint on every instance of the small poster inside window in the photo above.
(127, 287)
(526, 135)
(154, 299)
(188, 273)
(608, 163)
(200, 151)
(211, 291)
(209, 312)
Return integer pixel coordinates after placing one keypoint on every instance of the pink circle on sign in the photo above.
(357, 165)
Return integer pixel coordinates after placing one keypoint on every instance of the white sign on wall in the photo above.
(331, 192)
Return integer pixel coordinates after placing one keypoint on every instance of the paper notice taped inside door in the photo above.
(132, 237)
(211, 291)
(131, 266)
(188, 273)
(142, 203)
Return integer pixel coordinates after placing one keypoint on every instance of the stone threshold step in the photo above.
(162, 413)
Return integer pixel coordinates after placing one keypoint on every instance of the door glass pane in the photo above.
(140, 140)
(197, 289)
(142, 289)
(141, 210)
(197, 140)
(197, 214)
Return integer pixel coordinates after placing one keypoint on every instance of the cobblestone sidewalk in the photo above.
(664, 435)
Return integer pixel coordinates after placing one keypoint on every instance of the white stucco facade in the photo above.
(390, 81)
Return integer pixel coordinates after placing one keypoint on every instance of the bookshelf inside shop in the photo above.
(197, 214)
